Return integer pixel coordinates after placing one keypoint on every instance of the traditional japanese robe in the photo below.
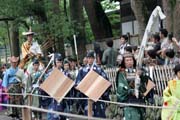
(125, 93)
(171, 96)
(98, 107)
(13, 83)
(55, 106)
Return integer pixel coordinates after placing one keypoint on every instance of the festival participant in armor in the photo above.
(109, 55)
(171, 96)
(32, 83)
(12, 82)
(128, 91)
(98, 107)
(30, 49)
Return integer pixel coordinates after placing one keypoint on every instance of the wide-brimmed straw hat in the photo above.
(28, 33)
(14, 59)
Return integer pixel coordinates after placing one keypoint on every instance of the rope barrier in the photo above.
(51, 111)
(105, 101)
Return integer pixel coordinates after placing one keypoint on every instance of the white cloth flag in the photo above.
(152, 26)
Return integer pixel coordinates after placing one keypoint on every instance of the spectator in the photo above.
(109, 55)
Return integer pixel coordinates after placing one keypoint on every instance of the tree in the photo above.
(142, 10)
(171, 10)
(169, 14)
(138, 8)
(99, 22)
(77, 18)
(176, 22)
(15, 51)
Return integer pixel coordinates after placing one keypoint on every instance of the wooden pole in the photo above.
(27, 113)
(90, 102)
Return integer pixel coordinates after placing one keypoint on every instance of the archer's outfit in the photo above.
(125, 94)
(98, 107)
(25, 48)
(29, 52)
(14, 85)
(171, 96)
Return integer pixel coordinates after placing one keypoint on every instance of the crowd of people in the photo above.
(25, 75)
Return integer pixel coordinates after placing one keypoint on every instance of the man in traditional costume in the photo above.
(126, 90)
(30, 49)
(98, 107)
(12, 82)
(171, 96)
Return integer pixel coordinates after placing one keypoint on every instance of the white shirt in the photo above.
(121, 48)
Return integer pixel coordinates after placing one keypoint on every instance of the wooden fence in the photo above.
(159, 74)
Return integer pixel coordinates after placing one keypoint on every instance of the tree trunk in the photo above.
(99, 22)
(169, 15)
(59, 42)
(176, 21)
(76, 13)
(138, 8)
(39, 11)
(14, 39)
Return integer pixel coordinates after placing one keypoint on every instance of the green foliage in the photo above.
(58, 24)
(110, 8)
(108, 5)
(16, 8)
(115, 23)
(154, 113)
(3, 35)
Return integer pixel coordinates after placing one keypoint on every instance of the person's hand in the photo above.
(174, 40)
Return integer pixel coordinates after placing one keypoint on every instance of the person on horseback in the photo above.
(30, 49)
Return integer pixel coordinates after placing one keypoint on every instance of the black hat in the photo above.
(35, 61)
(177, 68)
(72, 59)
(58, 57)
(90, 54)
(66, 61)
